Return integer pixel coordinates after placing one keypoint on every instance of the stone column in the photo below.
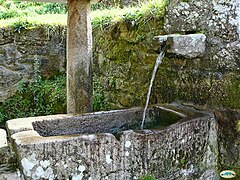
(79, 57)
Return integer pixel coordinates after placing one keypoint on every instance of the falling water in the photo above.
(158, 61)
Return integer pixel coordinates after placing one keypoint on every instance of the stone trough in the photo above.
(177, 142)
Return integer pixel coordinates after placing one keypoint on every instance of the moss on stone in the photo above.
(125, 52)
(233, 97)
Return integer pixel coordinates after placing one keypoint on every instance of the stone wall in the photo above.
(127, 58)
(214, 78)
(20, 52)
(125, 53)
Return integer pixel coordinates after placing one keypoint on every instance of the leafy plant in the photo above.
(20, 25)
(44, 97)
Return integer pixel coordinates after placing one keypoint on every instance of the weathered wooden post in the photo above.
(79, 55)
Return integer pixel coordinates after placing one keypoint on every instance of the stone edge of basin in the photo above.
(188, 46)
(3, 138)
(22, 131)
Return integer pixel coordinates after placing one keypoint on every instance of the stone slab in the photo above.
(189, 46)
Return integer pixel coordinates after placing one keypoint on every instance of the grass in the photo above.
(100, 18)
(145, 11)
(39, 20)
(12, 9)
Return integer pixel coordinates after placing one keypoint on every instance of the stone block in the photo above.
(189, 46)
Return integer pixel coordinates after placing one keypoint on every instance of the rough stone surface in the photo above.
(3, 138)
(19, 53)
(79, 57)
(177, 151)
(214, 78)
(188, 46)
(8, 172)
(209, 175)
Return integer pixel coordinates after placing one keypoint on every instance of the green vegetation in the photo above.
(99, 101)
(29, 14)
(23, 15)
(147, 177)
(44, 97)
(40, 97)
(125, 40)
(135, 15)
(11, 9)
(233, 89)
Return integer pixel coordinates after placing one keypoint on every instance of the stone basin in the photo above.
(110, 145)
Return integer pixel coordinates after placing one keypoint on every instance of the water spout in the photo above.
(158, 62)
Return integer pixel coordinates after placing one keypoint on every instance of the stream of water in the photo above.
(158, 62)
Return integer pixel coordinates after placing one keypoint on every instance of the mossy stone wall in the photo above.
(125, 54)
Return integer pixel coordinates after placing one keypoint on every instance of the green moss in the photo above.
(233, 93)
(125, 49)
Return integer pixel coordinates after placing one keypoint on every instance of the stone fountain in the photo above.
(177, 142)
